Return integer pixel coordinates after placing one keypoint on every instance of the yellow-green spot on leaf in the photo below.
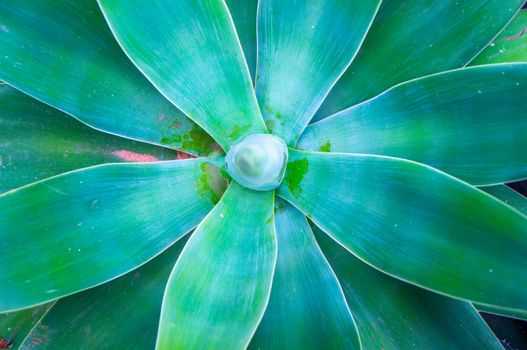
(279, 207)
(196, 139)
(238, 131)
(269, 219)
(295, 174)
(270, 125)
(200, 140)
(211, 184)
(326, 147)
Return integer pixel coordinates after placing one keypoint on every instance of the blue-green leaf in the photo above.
(509, 196)
(519, 202)
(194, 57)
(411, 39)
(15, 326)
(123, 311)
(303, 48)
(307, 309)
(509, 46)
(83, 228)
(220, 286)
(38, 141)
(243, 13)
(62, 53)
(468, 122)
(415, 223)
(392, 314)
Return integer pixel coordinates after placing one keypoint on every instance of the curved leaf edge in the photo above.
(515, 14)
(216, 160)
(268, 294)
(191, 152)
(323, 98)
(38, 322)
(213, 160)
(520, 315)
(106, 18)
(467, 65)
(479, 67)
(326, 231)
(103, 282)
(337, 281)
(237, 36)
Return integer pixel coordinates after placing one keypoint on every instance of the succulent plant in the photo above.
(352, 197)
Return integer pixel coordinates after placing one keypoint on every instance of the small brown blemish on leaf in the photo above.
(6, 343)
(183, 155)
(40, 334)
(517, 36)
(211, 183)
(176, 124)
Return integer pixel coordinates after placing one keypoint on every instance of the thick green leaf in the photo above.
(395, 315)
(15, 326)
(243, 13)
(83, 228)
(307, 309)
(411, 39)
(303, 48)
(509, 46)
(121, 313)
(468, 122)
(37, 141)
(194, 57)
(519, 202)
(509, 196)
(220, 286)
(62, 53)
(416, 223)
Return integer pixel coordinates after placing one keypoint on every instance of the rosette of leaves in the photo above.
(414, 117)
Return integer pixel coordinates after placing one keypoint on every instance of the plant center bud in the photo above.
(258, 162)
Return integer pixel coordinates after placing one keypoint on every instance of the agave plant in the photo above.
(416, 124)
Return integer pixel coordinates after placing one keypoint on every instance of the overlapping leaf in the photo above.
(509, 46)
(82, 228)
(38, 141)
(193, 56)
(63, 53)
(220, 285)
(416, 223)
(406, 42)
(303, 48)
(392, 314)
(243, 14)
(15, 326)
(469, 123)
(307, 309)
(123, 311)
